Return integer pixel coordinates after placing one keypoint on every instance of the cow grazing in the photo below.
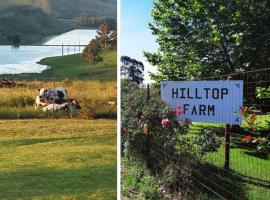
(39, 101)
(51, 95)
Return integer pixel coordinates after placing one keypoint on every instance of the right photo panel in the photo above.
(195, 99)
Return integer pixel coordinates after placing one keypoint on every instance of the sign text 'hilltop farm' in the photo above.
(205, 101)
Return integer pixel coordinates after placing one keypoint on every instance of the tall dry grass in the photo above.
(92, 95)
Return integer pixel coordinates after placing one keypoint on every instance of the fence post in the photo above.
(148, 135)
(227, 147)
(53, 98)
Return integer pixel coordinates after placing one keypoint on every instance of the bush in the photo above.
(141, 117)
(137, 181)
(208, 141)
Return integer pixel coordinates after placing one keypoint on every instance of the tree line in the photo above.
(106, 39)
(90, 21)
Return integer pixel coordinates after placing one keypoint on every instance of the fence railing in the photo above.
(247, 173)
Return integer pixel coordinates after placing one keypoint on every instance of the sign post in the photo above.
(207, 101)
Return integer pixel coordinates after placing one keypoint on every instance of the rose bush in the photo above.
(141, 117)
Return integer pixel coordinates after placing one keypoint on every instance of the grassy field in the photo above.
(58, 159)
(73, 66)
(18, 103)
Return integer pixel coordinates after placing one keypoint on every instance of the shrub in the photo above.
(148, 187)
(141, 117)
(208, 141)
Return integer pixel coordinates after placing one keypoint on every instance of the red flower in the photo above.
(146, 132)
(247, 138)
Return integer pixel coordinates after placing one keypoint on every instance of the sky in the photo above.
(136, 36)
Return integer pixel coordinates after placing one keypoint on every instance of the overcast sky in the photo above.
(135, 34)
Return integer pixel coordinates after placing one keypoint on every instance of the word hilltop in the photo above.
(205, 93)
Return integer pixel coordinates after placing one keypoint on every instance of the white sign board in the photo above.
(205, 101)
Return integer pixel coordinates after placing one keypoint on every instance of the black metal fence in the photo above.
(246, 175)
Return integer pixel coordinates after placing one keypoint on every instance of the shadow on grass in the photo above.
(257, 155)
(24, 142)
(225, 183)
(41, 182)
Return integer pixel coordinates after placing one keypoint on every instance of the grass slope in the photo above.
(58, 159)
(73, 66)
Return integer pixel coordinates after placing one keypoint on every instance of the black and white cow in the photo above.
(40, 102)
(51, 95)
(69, 105)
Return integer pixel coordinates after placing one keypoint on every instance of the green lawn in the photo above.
(73, 66)
(243, 161)
(58, 159)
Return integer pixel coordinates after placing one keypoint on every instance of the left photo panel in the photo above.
(58, 105)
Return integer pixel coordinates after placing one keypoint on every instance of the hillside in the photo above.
(34, 20)
(30, 24)
(72, 66)
(68, 9)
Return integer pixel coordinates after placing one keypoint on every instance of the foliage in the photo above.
(91, 52)
(263, 92)
(205, 38)
(148, 187)
(132, 69)
(142, 117)
(90, 21)
(106, 39)
(262, 143)
(208, 141)
(137, 182)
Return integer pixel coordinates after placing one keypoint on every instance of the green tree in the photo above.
(132, 69)
(205, 38)
(113, 39)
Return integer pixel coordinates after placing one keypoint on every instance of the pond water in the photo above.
(25, 58)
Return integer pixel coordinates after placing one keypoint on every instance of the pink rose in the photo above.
(165, 122)
(178, 111)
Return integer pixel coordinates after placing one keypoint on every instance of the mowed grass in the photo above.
(58, 159)
(73, 66)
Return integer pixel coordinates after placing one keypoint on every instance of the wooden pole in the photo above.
(62, 49)
(148, 136)
(227, 147)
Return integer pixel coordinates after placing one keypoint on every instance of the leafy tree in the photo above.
(132, 69)
(113, 39)
(205, 38)
(91, 52)
(103, 35)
